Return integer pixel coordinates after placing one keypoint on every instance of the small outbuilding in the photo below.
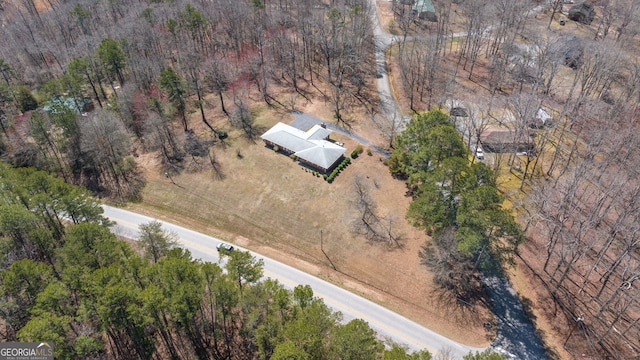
(582, 13)
(459, 111)
(310, 147)
(542, 119)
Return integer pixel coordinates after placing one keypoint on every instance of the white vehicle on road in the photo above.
(224, 248)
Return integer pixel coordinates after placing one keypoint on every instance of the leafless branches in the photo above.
(589, 222)
(453, 271)
(374, 227)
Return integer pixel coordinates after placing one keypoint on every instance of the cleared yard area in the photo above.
(269, 203)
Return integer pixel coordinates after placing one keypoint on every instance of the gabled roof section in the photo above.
(317, 132)
(309, 145)
(286, 136)
(54, 104)
(424, 5)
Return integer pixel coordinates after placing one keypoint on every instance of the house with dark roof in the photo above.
(501, 140)
(311, 147)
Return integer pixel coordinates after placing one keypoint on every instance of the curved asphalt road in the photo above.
(517, 337)
(387, 323)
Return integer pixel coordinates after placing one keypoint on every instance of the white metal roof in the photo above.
(317, 132)
(309, 145)
(324, 153)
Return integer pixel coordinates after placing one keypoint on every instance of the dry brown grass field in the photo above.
(268, 203)
(552, 328)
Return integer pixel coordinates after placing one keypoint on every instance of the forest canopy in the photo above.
(67, 279)
(456, 200)
(146, 68)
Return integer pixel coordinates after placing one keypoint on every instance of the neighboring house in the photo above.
(500, 140)
(79, 105)
(425, 10)
(310, 147)
(456, 108)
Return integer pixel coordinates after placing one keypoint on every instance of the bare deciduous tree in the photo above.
(106, 148)
(217, 79)
(369, 223)
(453, 271)
(159, 133)
(242, 118)
(389, 126)
(476, 18)
(216, 167)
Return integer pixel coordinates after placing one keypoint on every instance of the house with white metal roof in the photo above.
(310, 147)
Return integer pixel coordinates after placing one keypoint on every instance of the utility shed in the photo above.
(310, 147)
(542, 119)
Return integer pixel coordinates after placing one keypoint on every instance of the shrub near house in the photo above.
(356, 152)
(329, 178)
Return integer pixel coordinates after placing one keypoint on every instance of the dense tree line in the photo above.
(587, 220)
(578, 187)
(67, 279)
(580, 183)
(146, 64)
(456, 200)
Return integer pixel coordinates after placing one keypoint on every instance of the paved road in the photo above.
(517, 338)
(382, 40)
(386, 322)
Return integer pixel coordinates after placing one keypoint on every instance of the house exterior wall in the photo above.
(280, 147)
(289, 152)
(320, 168)
(303, 161)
